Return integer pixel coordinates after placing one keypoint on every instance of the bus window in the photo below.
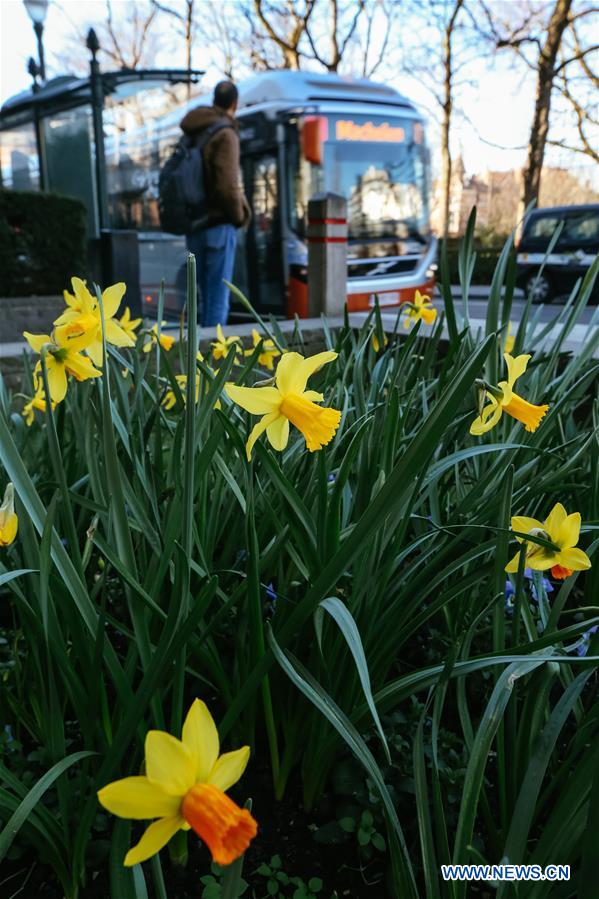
(264, 240)
(303, 181)
(378, 165)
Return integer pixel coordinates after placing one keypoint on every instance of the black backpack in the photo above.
(181, 187)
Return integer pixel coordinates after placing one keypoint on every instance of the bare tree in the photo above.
(325, 32)
(186, 23)
(447, 107)
(531, 174)
(578, 85)
(337, 40)
(383, 11)
(127, 36)
(285, 24)
(552, 60)
(439, 56)
(127, 44)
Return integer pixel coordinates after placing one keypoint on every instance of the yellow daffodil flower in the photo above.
(170, 399)
(72, 300)
(269, 351)
(376, 345)
(9, 523)
(503, 399)
(563, 531)
(289, 401)
(510, 340)
(166, 342)
(222, 344)
(37, 401)
(63, 357)
(184, 787)
(421, 307)
(84, 317)
(128, 324)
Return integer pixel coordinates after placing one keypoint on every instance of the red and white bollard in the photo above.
(327, 255)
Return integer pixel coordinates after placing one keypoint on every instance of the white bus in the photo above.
(301, 133)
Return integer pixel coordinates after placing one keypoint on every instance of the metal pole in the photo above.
(97, 101)
(38, 27)
(34, 71)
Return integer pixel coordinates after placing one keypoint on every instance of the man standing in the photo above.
(216, 131)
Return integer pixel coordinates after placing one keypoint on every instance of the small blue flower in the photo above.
(331, 477)
(270, 604)
(509, 597)
(583, 648)
(546, 584)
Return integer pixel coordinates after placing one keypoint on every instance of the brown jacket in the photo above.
(226, 200)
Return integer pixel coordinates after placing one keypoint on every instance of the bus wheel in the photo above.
(540, 287)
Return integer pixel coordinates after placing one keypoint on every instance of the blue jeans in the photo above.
(214, 249)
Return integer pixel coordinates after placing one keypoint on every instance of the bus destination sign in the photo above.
(386, 133)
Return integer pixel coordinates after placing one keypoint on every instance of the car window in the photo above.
(542, 227)
(583, 226)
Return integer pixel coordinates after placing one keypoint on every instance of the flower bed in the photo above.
(373, 566)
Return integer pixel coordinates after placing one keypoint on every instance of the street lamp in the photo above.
(36, 10)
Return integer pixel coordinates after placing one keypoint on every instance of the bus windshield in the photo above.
(379, 165)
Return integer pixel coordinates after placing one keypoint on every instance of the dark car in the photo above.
(575, 250)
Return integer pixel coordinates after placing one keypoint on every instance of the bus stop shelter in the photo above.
(62, 136)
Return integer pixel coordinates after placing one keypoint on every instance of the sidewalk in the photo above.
(311, 330)
(478, 292)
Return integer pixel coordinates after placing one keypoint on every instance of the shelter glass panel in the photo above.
(19, 158)
(69, 160)
(140, 132)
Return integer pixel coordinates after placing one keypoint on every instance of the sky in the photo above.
(497, 101)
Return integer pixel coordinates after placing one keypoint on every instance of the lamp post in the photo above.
(97, 106)
(36, 10)
(34, 71)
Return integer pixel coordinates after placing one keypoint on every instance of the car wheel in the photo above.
(540, 287)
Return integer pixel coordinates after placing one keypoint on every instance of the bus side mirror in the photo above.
(314, 134)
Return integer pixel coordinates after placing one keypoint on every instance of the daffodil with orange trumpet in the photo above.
(560, 529)
(184, 788)
(503, 398)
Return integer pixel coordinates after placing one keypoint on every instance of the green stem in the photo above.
(59, 471)
(158, 878)
(245, 302)
(257, 627)
(188, 481)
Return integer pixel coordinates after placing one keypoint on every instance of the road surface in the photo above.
(478, 309)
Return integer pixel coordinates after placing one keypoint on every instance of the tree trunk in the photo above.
(189, 42)
(291, 58)
(531, 174)
(446, 123)
(335, 55)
